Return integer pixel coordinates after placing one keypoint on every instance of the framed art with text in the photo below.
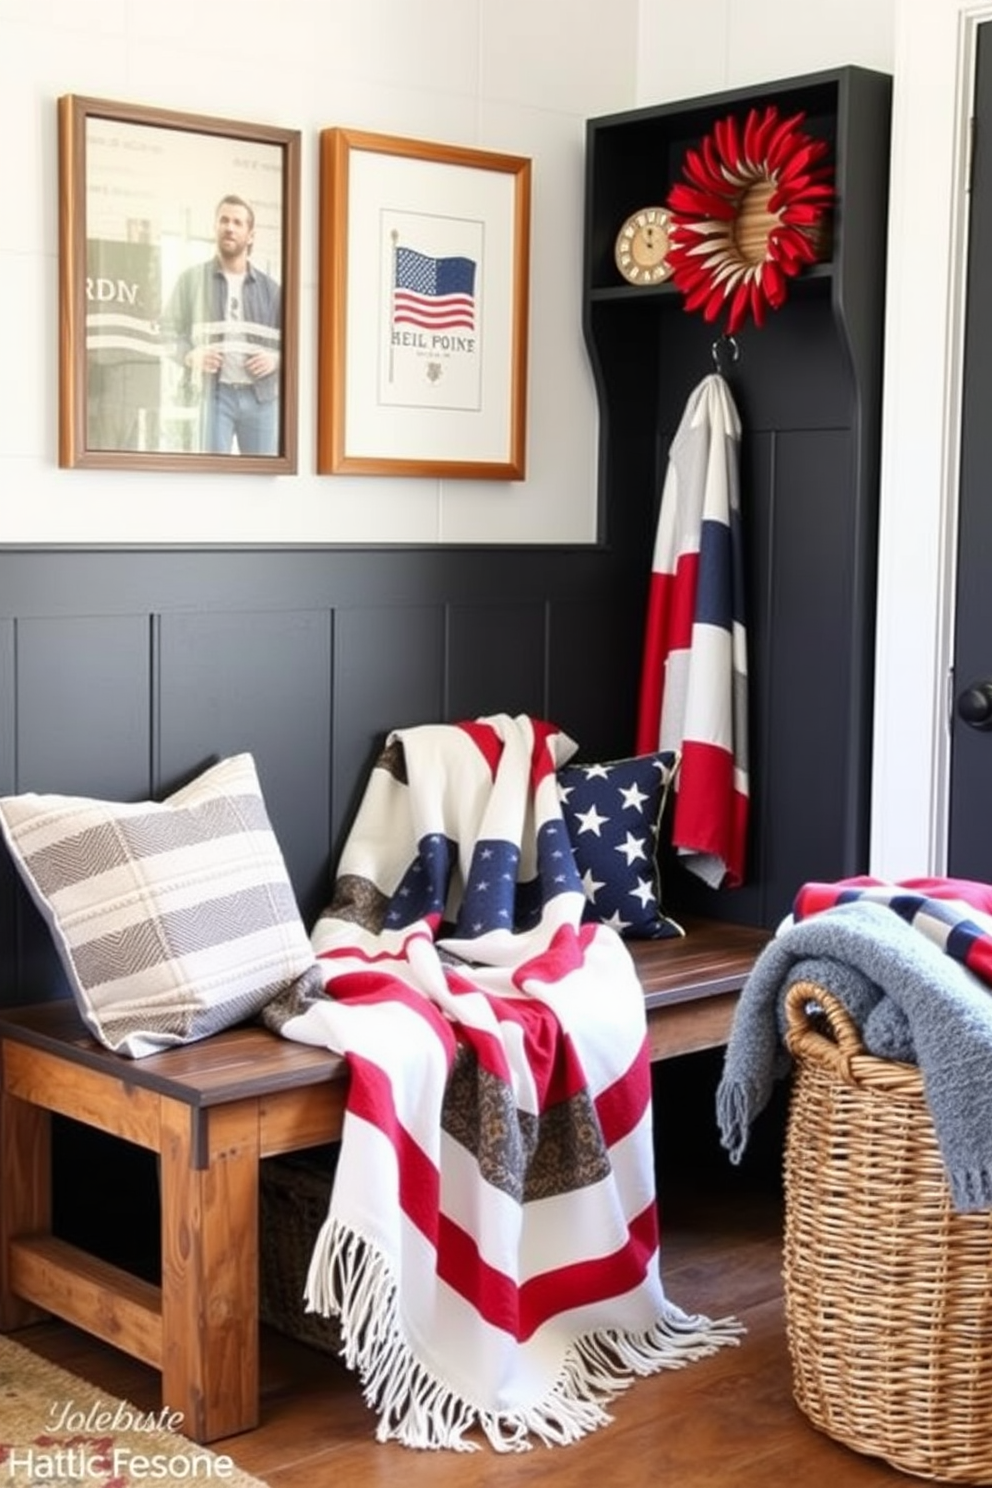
(178, 253)
(424, 281)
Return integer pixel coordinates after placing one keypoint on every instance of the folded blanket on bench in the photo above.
(492, 1246)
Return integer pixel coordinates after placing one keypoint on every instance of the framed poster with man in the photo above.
(178, 263)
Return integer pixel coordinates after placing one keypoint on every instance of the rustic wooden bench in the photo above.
(211, 1111)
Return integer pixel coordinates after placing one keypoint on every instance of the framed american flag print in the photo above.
(424, 282)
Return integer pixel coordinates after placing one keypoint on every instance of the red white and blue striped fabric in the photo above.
(492, 1245)
(955, 913)
(693, 696)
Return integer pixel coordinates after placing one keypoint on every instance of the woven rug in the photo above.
(59, 1430)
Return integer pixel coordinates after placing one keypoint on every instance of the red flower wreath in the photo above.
(746, 217)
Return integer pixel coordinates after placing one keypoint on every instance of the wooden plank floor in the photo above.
(725, 1420)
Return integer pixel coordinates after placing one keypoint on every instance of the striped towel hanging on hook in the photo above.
(693, 694)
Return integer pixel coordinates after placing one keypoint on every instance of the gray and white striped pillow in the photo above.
(173, 919)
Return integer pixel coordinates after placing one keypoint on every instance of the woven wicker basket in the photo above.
(888, 1291)
(294, 1192)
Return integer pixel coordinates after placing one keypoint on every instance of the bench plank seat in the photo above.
(211, 1111)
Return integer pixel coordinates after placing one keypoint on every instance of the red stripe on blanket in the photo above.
(557, 1070)
(521, 1311)
(682, 615)
(813, 897)
(543, 762)
(370, 988)
(653, 666)
(564, 953)
(605, 1276)
(370, 1097)
(978, 958)
(486, 740)
(550, 1055)
(668, 627)
(490, 745)
(710, 814)
(978, 895)
(354, 952)
(621, 1106)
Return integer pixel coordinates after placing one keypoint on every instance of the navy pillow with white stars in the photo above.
(613, 814)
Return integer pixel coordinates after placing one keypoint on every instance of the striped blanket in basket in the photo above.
(492, 1247)
(955, 913)
(912, 964)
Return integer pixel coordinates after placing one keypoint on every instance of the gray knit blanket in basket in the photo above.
(910, 1001)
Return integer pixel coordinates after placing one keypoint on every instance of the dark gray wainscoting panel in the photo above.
(597, 649)
(82, 705)
(125, 672)
(79, 719)
(7, 703)
(256, 682)
(813, 691)
(405, 687)
(497, 659)
(9, 924)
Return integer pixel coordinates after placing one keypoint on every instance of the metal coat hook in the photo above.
(725, 347)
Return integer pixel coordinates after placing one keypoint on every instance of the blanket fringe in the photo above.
(350, 1279)
(971, 1189)
(734, 1102)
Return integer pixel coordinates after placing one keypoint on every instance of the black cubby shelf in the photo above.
(816, 274)
(808, 386)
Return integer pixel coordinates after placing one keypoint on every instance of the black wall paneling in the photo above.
(258, 681)
(99, 672)
(808, 388)
(125, 672)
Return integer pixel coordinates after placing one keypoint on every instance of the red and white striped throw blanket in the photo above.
(492, 1247)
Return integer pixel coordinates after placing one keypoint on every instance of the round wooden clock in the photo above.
(641, 246)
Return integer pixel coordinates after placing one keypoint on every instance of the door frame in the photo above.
(921, 416)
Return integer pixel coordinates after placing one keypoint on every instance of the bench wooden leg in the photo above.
(210, 1269)
(25, 1195)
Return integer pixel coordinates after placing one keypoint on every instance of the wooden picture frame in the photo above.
(424, 285)
(178, 290)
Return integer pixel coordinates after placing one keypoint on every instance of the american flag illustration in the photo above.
(433, 293)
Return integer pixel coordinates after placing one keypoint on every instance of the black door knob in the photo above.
(975, 705)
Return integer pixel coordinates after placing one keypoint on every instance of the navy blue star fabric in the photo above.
(613, 815)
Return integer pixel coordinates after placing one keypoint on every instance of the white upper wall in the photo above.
(515, 76)
(687, 51)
